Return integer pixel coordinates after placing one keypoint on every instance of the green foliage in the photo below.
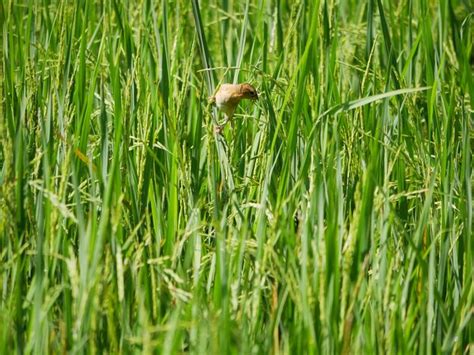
(334, 216)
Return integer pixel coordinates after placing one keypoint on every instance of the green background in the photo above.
(333, 216)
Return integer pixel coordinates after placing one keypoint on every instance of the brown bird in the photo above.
(228, 97)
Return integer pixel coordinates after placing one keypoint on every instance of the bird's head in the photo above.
(248, 92)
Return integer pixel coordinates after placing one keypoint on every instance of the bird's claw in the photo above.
(219, 128)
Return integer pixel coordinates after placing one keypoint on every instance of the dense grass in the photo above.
(334, 216)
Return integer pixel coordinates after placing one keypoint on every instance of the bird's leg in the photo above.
(219, 128)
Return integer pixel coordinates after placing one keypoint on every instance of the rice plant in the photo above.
(332, 215)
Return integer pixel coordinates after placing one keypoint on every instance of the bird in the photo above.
(228, 97)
